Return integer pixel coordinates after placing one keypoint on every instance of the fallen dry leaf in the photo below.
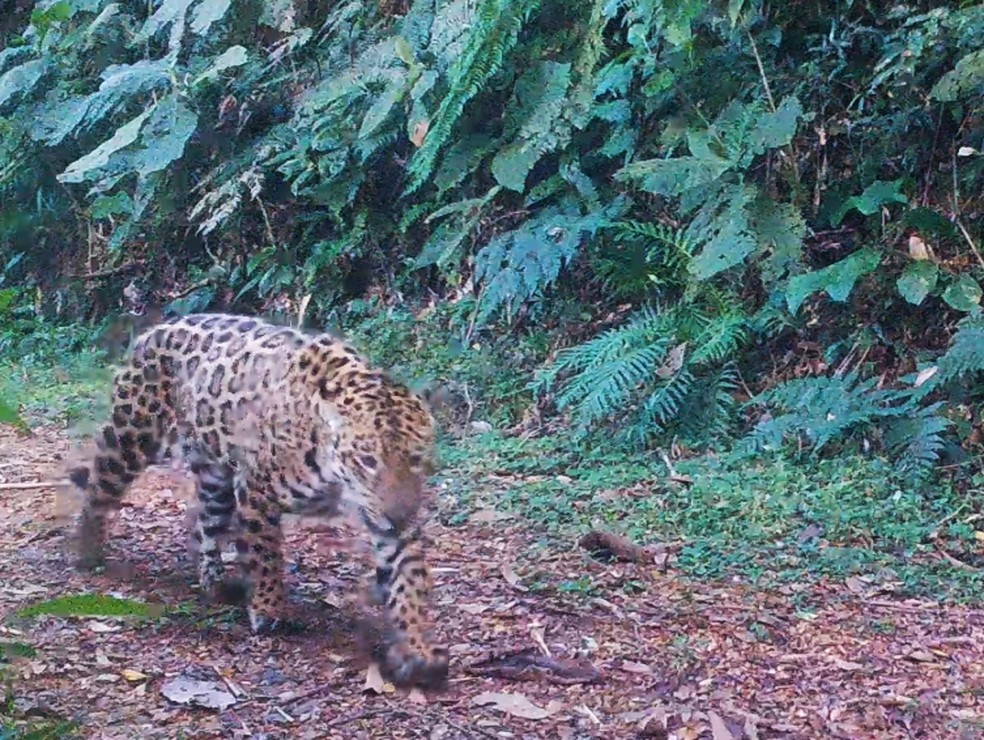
(131, 675)
(719, 729)
(516, 705)
(918, 249)
(375, 683)
(511, 578)
(196, 692)
(419, 133)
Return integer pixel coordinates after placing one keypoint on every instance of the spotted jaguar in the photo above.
(273, 420)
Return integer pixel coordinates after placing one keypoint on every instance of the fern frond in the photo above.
(964, 357)
(597, 395)
(495, 32)
(665, 403)
(719, 340)
(709, 406)
(916, 440)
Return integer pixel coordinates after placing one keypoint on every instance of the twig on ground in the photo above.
(954, 561)
(31, 485)
(364, 714)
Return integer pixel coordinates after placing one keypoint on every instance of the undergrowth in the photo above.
(764, 520)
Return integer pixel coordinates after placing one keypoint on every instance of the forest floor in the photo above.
(651, 654)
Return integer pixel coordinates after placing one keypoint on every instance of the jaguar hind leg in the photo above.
(214, 523)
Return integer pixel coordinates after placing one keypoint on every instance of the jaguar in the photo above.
(273, 420)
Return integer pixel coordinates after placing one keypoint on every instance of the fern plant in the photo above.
(666, 369)
(495, 31)
(824, 412)
(963, 360)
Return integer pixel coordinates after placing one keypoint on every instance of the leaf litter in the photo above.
(669, 658)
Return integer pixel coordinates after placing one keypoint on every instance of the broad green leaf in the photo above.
(234, 56)
(110, 205)
(382, 106)
(541, 98)
(967, 77)
(776, 129)
(206, 13)
(917, 280)
(163, 131)
(21, 80)
(462, 158)
(170, 11)
(730, 241)
(673, 176)
(278, 14)
(879, 193)
(734, 11)
(837, 279)
(404, 51)
(963, 294)
(780, 230)
(512, 165)
(121, 85)
(79, 170)
(105, 15)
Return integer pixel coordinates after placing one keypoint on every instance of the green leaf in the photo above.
(776, 129)
(963, 294)
(121, 85)
(837, 279)
(110, 205)
(494, 32)
(142, 146)
(730, 242)
(780, 229)
(967, 77)
(169, 12)
(208, 12)
(541, 98)
(79, 170)
(404, 51)
(917, 280)
(234, 56)
(879, 193)
(673, 176)
(21, 80)
(381, 107)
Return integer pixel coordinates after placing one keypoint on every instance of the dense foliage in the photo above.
(697, 218)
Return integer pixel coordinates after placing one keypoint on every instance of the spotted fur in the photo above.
(274, 421)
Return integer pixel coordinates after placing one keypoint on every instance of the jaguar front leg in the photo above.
(402, 585)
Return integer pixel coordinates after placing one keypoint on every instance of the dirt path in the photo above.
(673, 658)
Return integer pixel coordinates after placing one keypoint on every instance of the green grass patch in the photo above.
(88, 605)
(11, 651)
(61, 730)
(71, 388)
(769, 521)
